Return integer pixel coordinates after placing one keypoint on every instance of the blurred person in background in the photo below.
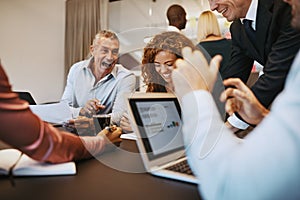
(210, 38)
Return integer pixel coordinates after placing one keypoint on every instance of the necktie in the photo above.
(249, 30)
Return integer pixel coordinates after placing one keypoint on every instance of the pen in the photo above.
(99, 105)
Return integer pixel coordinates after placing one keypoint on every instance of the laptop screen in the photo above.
(159, 122)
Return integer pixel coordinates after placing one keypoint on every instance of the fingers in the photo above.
(114, 136)
(236, 82)
(195, 58)
(179, 63)
(226, 94)
(182, 84)
(92, 107)
(232, 106)
(241, 91)
(125, 115)
(196, 69)
(125, 124)
(188, 77)
(113, 128)
(215, 65)
(96, 104)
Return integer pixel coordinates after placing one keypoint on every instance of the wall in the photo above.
(127, 15)
(136, 21)
(32, 37)
(32, 46)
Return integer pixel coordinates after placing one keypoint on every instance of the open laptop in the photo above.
(156, 120)
(26, 96)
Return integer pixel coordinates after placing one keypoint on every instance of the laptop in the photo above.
(26, 96)
(156, 120)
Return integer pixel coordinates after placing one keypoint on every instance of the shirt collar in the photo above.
(252, 12)
(88, 63)
(114, 71)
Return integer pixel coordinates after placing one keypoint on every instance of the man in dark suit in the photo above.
(270, 40)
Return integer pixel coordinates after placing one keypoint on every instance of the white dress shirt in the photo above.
(251, 15)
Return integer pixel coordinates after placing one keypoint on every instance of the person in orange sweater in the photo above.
(23, 130)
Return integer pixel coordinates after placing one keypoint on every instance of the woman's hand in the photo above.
(112, 134)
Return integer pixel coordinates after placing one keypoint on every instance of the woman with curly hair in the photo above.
(158, 63)
(159, 59)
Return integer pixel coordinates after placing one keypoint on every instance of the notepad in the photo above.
(26, 166)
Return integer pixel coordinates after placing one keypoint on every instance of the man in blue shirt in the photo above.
(97, 85)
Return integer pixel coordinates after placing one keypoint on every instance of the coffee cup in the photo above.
(101, 121)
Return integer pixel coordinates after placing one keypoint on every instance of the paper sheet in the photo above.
(129, 136)
(54, 113)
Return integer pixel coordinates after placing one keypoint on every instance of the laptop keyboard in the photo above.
(182, 167)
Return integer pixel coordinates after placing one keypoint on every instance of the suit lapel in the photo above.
(263, 20)
(250, 46)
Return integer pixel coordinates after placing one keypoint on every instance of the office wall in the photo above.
(32, 37)
(32, 46)
(127, 15)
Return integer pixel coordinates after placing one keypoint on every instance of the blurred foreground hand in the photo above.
(194, 73)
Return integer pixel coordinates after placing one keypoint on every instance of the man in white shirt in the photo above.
(264, 165)
(177, 18)
(97, 85)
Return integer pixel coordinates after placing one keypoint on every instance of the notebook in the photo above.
(156, 121)
(26, 166)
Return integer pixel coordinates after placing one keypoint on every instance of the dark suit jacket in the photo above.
(275, 48)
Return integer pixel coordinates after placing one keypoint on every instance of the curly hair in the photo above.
(172, 42)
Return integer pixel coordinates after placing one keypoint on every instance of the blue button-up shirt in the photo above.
(109, 90)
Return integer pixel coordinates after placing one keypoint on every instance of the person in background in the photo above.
(159, 59)
(96, 85)
(22, 129)
(261, 32)
(265, 164)
(158, 62)
(177, 18)
(210, 38)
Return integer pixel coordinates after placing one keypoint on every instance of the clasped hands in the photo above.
(85, 127)
(112, 135)
(194, 73)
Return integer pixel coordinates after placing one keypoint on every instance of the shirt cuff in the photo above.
(236, 122)
(75, 112)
